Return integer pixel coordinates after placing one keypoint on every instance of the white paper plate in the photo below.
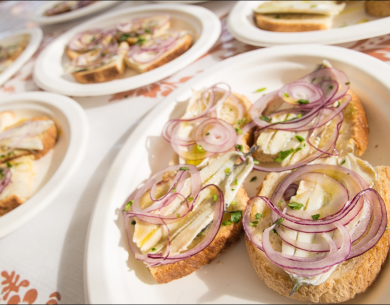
(65, 158)
(40, 18)
(204, 26)
(9, 38)
(113, 276)
(242, 26)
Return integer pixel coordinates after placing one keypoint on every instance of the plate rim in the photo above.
(205, 41)
(269, 38)
(78, 138)
(82, 12)
(36, 36)
(92, 257)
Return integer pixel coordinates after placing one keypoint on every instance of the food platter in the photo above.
(40, 18)
(112, 275)
(50, 68)
(34, 37)
(55, 168)
(352, 24)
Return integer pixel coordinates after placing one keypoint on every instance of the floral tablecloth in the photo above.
(42, 262)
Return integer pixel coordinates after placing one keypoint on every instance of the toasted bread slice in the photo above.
(293, 22)
(377, 8)
(182, 45)
(353, 135)
(227, 235)
(230, 117)
(349, 278)
(48, 139)
(20, 187)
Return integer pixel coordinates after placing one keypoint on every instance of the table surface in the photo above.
(42, 261)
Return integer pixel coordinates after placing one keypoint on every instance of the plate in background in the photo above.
(65, 158)
(202, 24)
(346, 27)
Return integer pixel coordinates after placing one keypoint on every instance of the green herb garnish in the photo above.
(284, 154)
(343, 162)
(260, 90)
(286, 95)
(238, 130)
(299, 138)
(239, 147)
(256, 162)
(178, 215)
(348, 83)
(190, 199)
(254, 223)
(295, 205)
(153, 249)
(278, 222)
(214, 197)
(316, 216)
(200, 149)
(207, 134)
(184, 169)
(236, 216)
(226, 223)
(9, 165)
(133, 222)
(227, 170)
(235, 182)
(303, 102)
(265, 118)
(253, 179)
(258, 215)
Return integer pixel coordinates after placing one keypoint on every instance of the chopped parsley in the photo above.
(226, 223)
(238, 130)
(303, 102)
(148, 31)
(227, 170)
(153, 249)
(299, 115)
(190, 199)
(316, 216)
(200, 148)
(235, 182)
(343, 162)
(258, 215)
(278, 222)
(174, 189)
(298, 149)
(231, 109)
(128, 205)
(214, 197)
(241, 121)
(140, 41)
(239, 147)
(331, 87)
(284, 154)
(313, 5)
(280, 202)
(299, 138)
(178, 215)
(274, 231)
(124, 37)
(348, 83)
(254, 178)
(9, 165)
(286, 95)
(184, 169)
(236, 216)
(207, 134)
(260, 90)
(133, 222)
(233, 203)
(232, 190)
(254, 223)
(277, 16)
(265, 118)
(338, 104)
(295, 205)
(256, 162)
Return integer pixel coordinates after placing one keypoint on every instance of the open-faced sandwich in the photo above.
(296, 16)
(141, 44)
(320, 233)
(66, 6)
(22, 141)
(180, 224)
(9, 53)
(315, 116)
(377, 8)
(210, 126)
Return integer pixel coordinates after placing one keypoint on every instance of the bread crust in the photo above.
(9, 203)
(377, 8)
(270, 23)
(226, 237)
(353, 135)
(350, 278)
(167, 57)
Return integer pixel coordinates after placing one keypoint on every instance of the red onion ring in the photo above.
(7, 175)
(138, 25)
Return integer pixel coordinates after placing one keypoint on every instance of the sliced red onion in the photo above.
(139, 25)
(7, 175)
(300, 91)
(78, 43)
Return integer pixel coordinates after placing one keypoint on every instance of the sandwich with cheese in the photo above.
(320, 233)
(9, 53)
(315, 116)
(296, 16)
(182, 223)
(66, 6)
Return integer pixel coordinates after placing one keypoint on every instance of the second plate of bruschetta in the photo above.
(126, 49)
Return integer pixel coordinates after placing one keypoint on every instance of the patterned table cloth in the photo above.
(42, 261)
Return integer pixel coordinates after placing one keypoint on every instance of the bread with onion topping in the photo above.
(351, 277)
(353, 135)
(377, 8)
(181, 46)
(226, 236)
